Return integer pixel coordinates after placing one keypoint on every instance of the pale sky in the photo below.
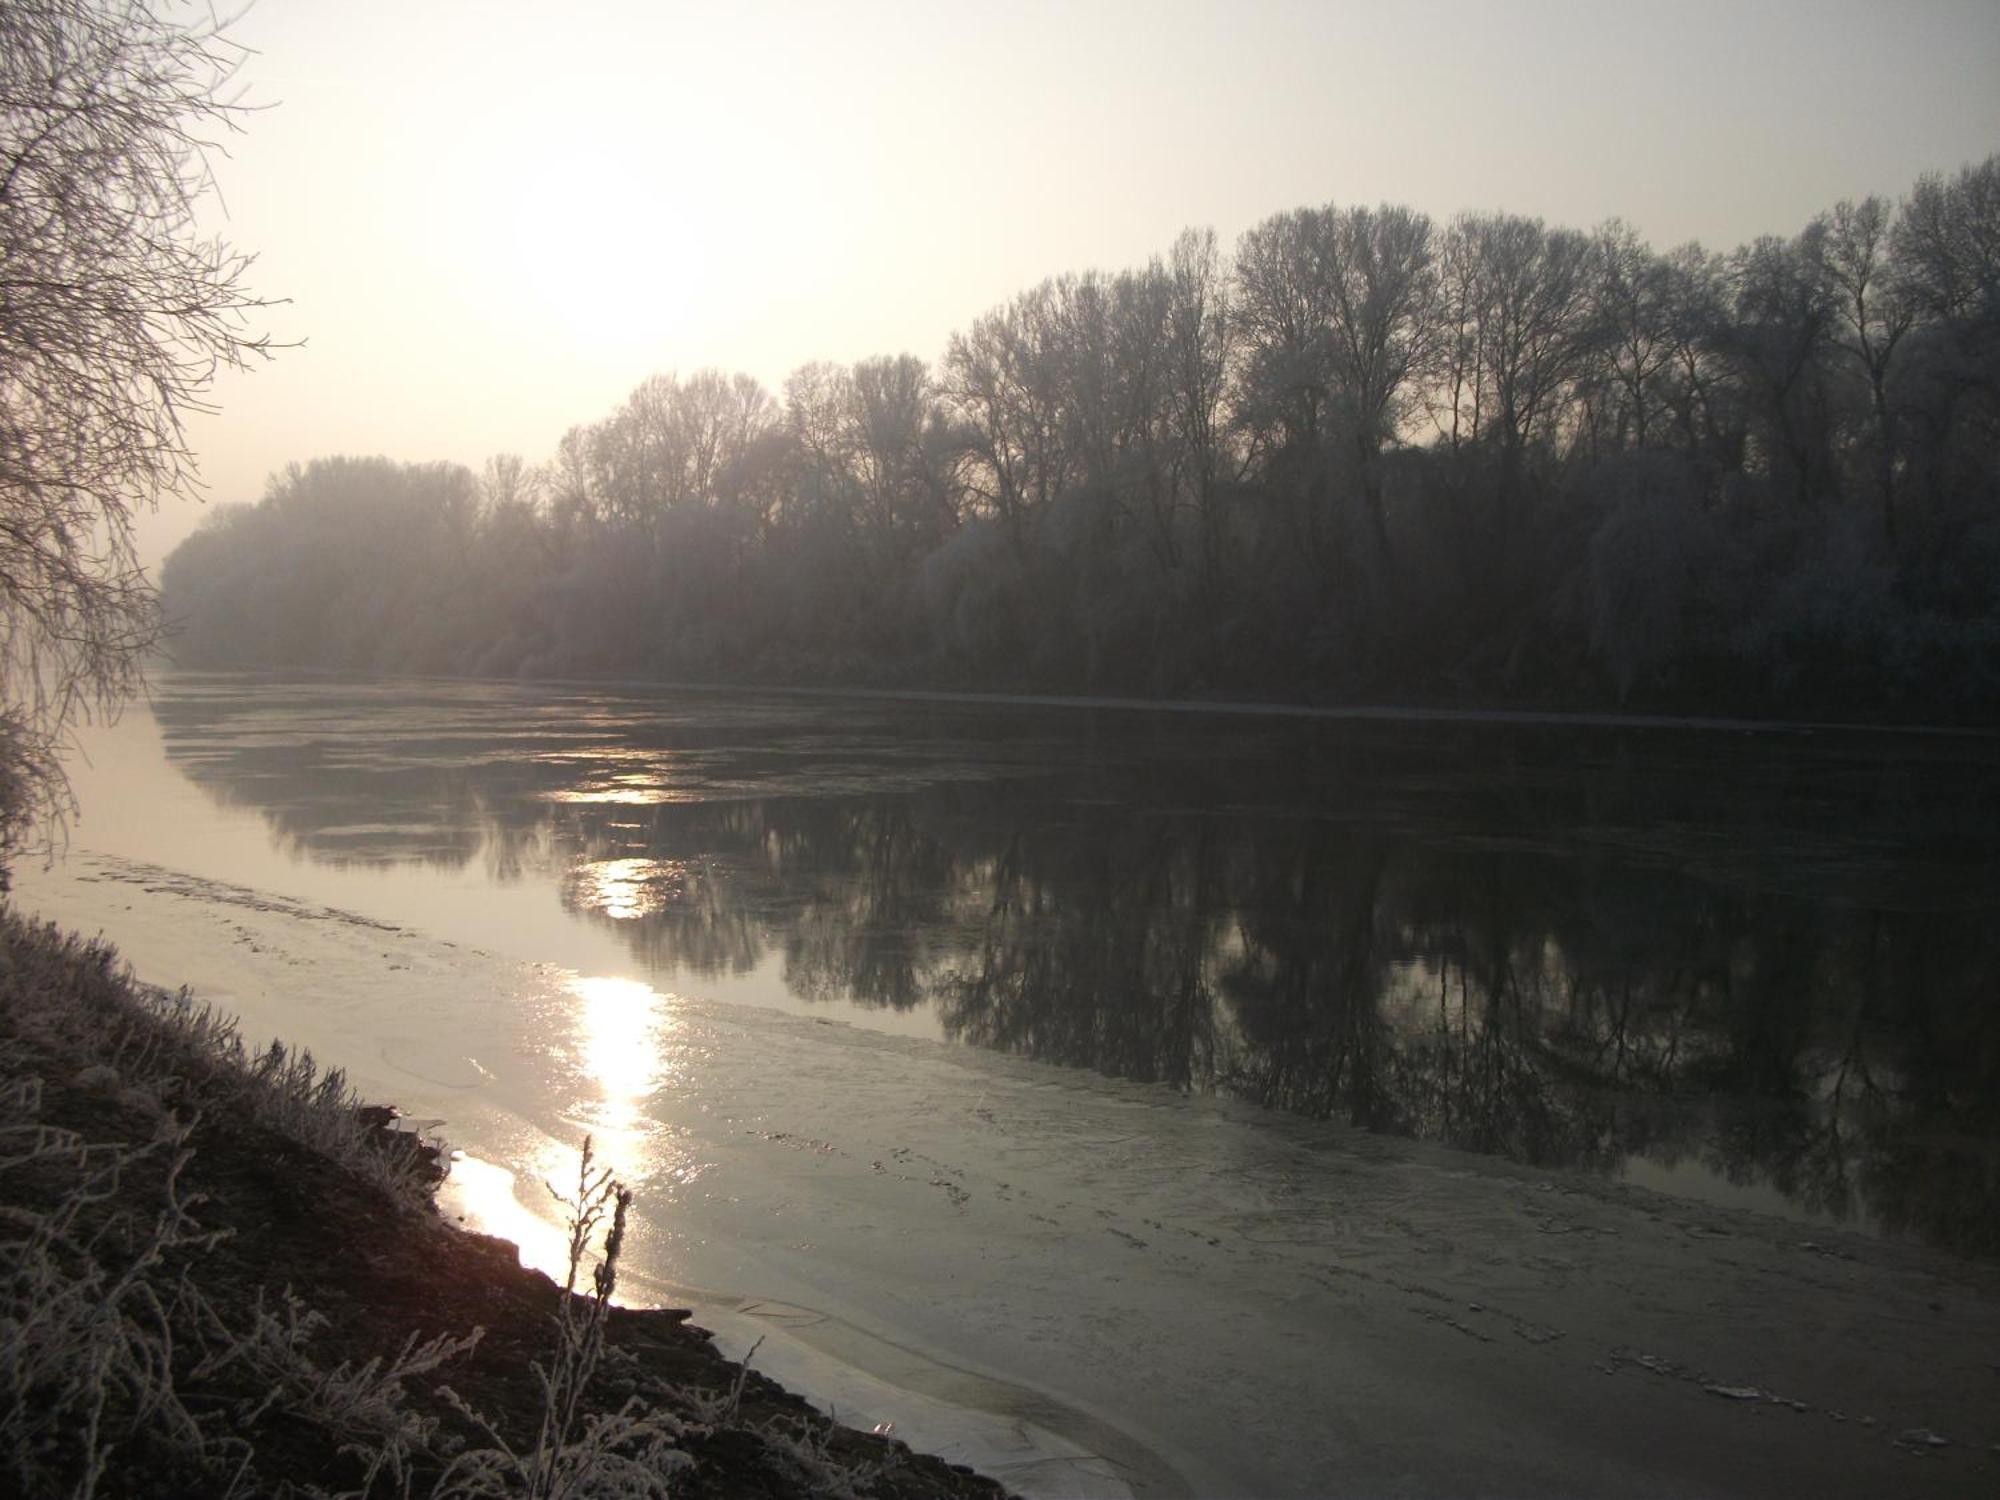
(492, 218)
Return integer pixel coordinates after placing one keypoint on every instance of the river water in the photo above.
(967, 1046)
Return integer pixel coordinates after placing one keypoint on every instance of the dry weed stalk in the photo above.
(634, 1451)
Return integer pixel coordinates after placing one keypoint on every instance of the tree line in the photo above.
(1364, 455)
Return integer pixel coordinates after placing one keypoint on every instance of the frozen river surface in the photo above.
(1158, 1106)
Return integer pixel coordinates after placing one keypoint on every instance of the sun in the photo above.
(603, 260)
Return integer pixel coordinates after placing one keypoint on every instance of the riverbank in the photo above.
(220, 1277)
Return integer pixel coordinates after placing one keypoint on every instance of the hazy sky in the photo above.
(492, 218)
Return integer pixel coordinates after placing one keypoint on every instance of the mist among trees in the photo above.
(1364, 456)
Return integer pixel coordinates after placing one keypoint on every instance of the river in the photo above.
(1158, 1102)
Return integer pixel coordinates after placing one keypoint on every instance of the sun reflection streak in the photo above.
(634, 795)
(622, 1024)
(619, 1042)
(626, 889)
(622, 1034)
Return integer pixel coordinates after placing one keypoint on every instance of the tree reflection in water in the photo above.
(1771, 961)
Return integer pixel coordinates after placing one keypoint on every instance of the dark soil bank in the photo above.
(194, 1299)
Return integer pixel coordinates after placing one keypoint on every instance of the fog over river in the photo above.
(1160, 1102)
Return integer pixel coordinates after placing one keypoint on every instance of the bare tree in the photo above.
(1004, 380)
(1202, 360)
(1535, 332)
(1282, 310)
(1779, 341)
(891, 406)
(1457, 389)
(1948, 240)
(1635, 310)
(116, 315)
(1695, 384)
(1874, 316)
(1383, 279)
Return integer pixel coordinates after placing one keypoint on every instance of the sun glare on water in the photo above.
(622, 1029)
(627, 889)
(621, 1047)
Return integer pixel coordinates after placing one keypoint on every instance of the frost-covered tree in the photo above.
(1876, 312)
(116, 314)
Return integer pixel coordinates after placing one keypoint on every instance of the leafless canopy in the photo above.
(116, 315)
